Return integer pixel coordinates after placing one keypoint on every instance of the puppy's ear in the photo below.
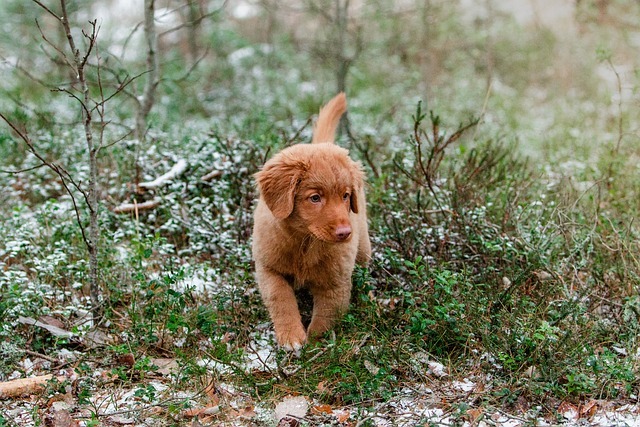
(353, 201)
(358, 182)
(278, 181)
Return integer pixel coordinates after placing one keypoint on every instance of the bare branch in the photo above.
(189, 71)
(122, 84)
(92, 42)
(64, 20)
(26, 386)
(49, 11)
(19, 171)
(193, 22)
(135, 207)
(216, 173)
(62, 174)
(296, 135)
(56, 48)
(177, 170)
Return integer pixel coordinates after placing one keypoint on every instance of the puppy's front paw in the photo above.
(318, 327)
(292, 337)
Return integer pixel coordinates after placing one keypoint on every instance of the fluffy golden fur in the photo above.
(310, 228)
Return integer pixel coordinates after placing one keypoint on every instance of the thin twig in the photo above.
(49, 11)
(298, 132)
(55, 47)
(18, 171)
(192, 22)
(62, 174)
(41, 356)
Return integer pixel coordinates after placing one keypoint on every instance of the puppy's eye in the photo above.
(345, 197)
(315, 198)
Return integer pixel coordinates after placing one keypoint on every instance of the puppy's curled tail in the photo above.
(329, 118)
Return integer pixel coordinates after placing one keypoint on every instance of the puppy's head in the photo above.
(313, 188)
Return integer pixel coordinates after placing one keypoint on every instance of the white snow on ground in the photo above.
(411, 407)
(626, 415)
(261, 353)
(446, 401)
(201, 279)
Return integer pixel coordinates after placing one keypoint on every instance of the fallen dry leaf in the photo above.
(342, 416)
(53, 330)
(292, 406)
(121, 420)
(212, 410)
(60, 418)
(192, 412)
(322, 409)
(197, 412)
(589, 409)
(165, 366)
(246, 412)
(475, 414)
(568, 410)
(95, 338)
(50, 320)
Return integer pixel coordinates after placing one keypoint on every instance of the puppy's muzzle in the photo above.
(343, 232)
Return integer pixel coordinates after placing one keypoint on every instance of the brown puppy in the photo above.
(310, 228)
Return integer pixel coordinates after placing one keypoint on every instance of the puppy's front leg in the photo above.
(328, 305)
(280, 300)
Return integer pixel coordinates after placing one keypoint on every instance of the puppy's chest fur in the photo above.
(308, 263)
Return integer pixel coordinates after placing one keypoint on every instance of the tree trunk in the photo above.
(92, 192)
(194, 14)
(343, 61)
(148, 96)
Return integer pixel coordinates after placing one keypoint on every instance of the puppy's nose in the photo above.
(343, 232)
